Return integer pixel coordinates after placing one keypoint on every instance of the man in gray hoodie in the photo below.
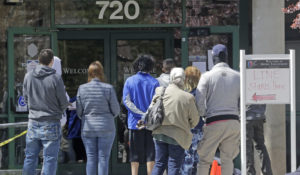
(44, 94)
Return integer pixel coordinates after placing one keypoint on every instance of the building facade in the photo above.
(115, 33)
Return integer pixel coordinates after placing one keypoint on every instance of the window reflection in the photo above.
(33, 13)
(208, 12)
(3, 77)
(199, 48)
(4, 149)
(26, 49)
(87, 12)
(76, 56)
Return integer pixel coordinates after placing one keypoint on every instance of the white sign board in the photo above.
(267, 81)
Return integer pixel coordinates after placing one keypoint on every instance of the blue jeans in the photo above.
(167, 155)
(46, 136)
(98, 152)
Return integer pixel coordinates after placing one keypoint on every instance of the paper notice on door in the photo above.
(201, 66)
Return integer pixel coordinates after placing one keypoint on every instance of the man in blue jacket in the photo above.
(44, 93)
(137, 95)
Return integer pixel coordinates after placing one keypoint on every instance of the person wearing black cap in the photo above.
(217, 98)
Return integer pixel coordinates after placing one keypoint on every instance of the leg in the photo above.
(176, 156)
(207, 147)
(230, 146)
(70, 151)
(91, 148)
(150, 151)
(33, 147)
(136, 149)
(261, 148)
(161, 157)
(150, 166)
(249, 148)
(135, 168)
(104, 149)
(50, 155)
(191, 159)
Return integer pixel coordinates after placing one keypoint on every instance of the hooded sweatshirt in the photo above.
(44, 93)
(164, 79)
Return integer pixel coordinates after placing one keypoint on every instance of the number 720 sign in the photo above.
(117, 7)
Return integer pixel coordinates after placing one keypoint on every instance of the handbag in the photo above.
(154, 116)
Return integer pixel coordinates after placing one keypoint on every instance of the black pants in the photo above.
(255, 132)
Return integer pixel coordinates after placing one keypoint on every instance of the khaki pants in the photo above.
(224, 135)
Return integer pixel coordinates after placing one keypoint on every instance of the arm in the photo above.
(113, 103)
(79, 106)
(25, 92)
(201, 93)
(61, 94)
(193, 114)
(128, 102)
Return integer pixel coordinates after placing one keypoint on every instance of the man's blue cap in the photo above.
(219, 48)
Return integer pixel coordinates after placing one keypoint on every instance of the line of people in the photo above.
(181, 145)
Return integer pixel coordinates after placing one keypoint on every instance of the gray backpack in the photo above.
(155, 114)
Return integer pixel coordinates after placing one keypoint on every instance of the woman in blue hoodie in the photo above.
(97, 106)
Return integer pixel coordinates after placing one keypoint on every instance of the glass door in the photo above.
(126, 47)
(77, 50)
(24, 44)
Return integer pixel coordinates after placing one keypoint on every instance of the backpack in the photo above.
(155, 114)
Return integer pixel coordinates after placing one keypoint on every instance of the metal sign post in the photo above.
(293, 111)
(267, 79)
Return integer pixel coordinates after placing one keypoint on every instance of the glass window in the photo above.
(177, 47)
(4, 149)
(126, 12)
(200, 49)
(20, 144)
(76, 56)
(212, 12)
(3, 77)
(33, 13)
(26, 50)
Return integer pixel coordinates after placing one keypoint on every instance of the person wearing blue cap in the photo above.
(217, 98)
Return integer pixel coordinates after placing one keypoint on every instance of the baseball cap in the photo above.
(219, 48)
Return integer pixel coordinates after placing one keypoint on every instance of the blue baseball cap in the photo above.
(219, 48)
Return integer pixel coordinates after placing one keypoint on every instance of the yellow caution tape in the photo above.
(13, 138)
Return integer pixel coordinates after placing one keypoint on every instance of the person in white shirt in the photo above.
(217, 98)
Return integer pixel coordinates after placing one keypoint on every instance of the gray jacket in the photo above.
(44, 92)
(218, 92)
(164, 79)
(97, 105)
(256, 112)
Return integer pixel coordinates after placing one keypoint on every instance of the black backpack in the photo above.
(155, 113)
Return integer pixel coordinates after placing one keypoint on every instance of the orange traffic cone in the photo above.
(215, 168)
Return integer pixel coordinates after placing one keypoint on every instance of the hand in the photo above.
(140, 124)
